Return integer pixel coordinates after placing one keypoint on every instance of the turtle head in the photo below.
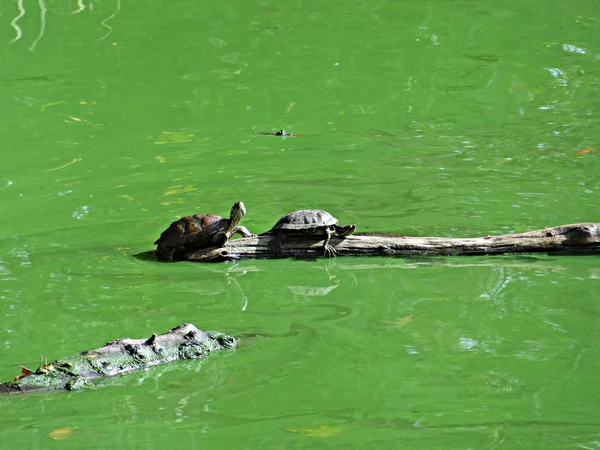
(238, 211)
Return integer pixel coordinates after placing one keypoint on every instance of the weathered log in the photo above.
(573, 239)
(119, 357)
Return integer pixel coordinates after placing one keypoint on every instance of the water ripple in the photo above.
(81, 7)
(13, 22)
(42, 25)
(106, 25)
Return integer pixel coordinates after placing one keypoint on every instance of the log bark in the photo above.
(118, 357)
(572, 239)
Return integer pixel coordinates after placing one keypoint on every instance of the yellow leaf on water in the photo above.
(584, 151)
(24, 372)
(189, 155)
(320, 431)
(177, 201)
(399, 322)
(179, 189)
(174, 137)
(73, 161)
(43, 108)
(61, 433)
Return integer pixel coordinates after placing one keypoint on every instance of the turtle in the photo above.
(308, 222)
(199, 231)
(276, 133)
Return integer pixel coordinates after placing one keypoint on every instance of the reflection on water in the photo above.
(80, 7)
(105, 21)
(13, 22)
(43, 10)
(121, 119)
(322, 285)
(310, 291)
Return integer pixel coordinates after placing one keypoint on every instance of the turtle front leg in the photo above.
(243, 231)
(328, 250)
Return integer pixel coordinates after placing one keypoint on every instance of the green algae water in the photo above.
(431, 118)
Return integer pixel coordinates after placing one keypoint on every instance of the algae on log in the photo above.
(573, 239)
(119, 357)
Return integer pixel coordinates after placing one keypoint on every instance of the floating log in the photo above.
(119, 357)
(573, 239)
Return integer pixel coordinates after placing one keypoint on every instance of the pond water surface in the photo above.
(424, 118)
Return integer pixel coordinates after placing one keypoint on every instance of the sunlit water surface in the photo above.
(436, 118)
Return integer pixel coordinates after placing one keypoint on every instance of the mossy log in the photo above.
(573, 239)
(119, 357)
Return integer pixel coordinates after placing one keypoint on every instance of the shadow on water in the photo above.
(145, 256)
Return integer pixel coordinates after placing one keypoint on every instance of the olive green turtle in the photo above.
(191, 233)
(308, 222)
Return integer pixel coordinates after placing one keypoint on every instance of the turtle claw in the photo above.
(243, 231)
(329, 251)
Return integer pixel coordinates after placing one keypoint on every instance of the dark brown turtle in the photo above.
(277, 133)
(191, 233)
(306, 222)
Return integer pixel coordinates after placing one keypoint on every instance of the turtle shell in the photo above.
(198, 229)
(305, 219)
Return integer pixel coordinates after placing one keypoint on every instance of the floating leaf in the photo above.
(170, 137)
(400, 322)
(61, 433)
(24, 372)
(47, 105)
(584, 151)
(73, 161)
(179, 189)
(176, 201)
(320, 431)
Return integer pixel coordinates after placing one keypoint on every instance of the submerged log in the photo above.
(119, 357)
(573, 239)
